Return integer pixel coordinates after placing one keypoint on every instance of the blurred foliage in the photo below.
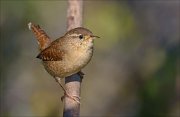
(134, 70)
(114, 23)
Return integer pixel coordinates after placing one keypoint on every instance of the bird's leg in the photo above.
(58, 80)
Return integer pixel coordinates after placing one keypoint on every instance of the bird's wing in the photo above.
(52, 53)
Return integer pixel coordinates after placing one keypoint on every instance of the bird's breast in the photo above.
(80, 57)
(72, 63)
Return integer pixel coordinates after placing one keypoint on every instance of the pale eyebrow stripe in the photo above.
(75, 35)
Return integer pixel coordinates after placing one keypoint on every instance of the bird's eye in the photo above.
(80, 36)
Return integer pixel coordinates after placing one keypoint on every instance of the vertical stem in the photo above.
(74, 14)
(73, 83)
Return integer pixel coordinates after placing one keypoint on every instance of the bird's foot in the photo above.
(81, 74)
(73, 97)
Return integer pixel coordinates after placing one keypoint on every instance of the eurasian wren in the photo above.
(68, 54)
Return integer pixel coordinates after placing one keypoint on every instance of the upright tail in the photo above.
(41, 36)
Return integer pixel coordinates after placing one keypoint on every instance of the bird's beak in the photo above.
(93, 36)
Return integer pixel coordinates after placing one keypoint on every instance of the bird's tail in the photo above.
(41, 36)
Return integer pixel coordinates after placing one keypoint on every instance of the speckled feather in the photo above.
(52, 53)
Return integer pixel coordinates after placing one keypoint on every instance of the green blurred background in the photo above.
(134, 71)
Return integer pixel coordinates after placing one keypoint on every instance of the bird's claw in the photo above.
(81, 74)
(73, 97)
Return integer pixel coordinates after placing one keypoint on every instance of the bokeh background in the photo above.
(134, 71)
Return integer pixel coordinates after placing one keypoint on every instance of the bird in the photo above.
(68, 54)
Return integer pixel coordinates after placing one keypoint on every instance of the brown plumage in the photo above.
(41, 36)
(66, 55)
(51, 53)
